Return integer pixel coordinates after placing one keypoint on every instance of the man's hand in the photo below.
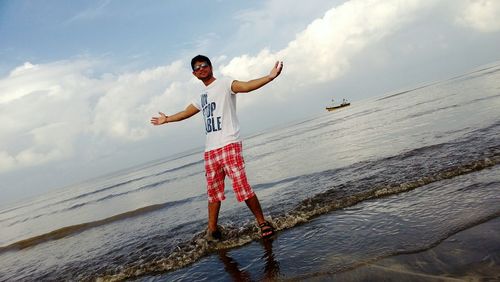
(244, 87)
(159, 120)
(276, 70)
(186, 113)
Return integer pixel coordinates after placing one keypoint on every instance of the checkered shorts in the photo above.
(220, 162)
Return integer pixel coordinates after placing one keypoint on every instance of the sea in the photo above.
(384, 179)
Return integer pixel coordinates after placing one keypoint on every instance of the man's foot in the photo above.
(214, 235)
(266, 229)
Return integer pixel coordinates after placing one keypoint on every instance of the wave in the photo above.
(131, 181)
(180, 167)
(295, 129)
(319, 204)
(471, 75)
(68, 200)
(480, 99)
(433, 111)
(407, 91)
(74, 229)
(406, 170)
(107, 197)
(139, 189)
(476, 74)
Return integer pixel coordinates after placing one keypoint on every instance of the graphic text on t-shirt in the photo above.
(211, 123)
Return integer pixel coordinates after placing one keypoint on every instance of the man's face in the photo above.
(202, 70)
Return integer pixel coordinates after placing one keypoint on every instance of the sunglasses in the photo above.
(200, 66)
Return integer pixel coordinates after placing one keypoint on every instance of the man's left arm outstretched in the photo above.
(247, 86)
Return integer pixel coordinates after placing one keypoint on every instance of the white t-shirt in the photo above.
(218, 104)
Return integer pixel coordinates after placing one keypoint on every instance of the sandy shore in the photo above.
(470, 255)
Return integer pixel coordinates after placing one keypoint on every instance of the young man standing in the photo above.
(223, 146)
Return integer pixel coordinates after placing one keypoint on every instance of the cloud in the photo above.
(123, 110)
(482, 15)
(30, 79)
(274, 23)
(61, 110)
(46, 110)
(324, 50)
(49, 143)
(43, 108)
(91, 13)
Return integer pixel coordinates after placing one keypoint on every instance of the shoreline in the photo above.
(469, 255)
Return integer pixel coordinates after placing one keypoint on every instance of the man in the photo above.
(223, 146)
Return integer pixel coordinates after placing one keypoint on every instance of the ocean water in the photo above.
(383, 177)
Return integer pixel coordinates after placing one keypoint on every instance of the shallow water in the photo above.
(382, 177)
(346, 239)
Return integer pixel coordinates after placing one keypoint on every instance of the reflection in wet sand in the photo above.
(271, 269)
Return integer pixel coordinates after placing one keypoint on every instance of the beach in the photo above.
(401, 187)
(469, 255)
(387, 239)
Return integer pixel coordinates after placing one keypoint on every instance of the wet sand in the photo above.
(470, 255)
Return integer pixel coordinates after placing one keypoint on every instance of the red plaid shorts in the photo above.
(220, 162)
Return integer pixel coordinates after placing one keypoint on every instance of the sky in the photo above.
(80, 80)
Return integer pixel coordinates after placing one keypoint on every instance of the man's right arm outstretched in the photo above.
(187, 113)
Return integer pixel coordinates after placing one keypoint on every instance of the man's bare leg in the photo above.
(254, 205)
(213, 215)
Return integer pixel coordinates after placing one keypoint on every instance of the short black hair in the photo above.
(200, 58)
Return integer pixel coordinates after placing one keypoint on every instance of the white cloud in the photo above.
(7, 162)
(47, 109)
(91, 13)
(274, 23)
(40, 145)
(124, 110)
(324, 50)
(482, 15)
(30, 79)
(43, 108)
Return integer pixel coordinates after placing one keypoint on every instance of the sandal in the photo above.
(266, 229)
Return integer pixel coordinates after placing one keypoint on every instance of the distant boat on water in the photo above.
(343, 104)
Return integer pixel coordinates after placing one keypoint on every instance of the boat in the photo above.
(342, 105)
